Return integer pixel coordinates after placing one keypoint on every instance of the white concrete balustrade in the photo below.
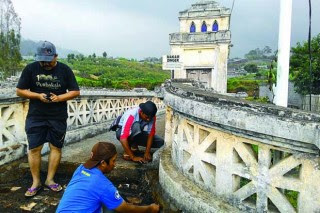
(88, 116)
(12, 136)
(244, 169)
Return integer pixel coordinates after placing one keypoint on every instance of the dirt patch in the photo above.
(13, 200)
(140, 188)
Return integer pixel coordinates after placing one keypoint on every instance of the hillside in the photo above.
(28, 48)
(116, 73)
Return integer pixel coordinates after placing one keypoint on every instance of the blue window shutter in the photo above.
(204, 27)
(192, 28)
(215, 26)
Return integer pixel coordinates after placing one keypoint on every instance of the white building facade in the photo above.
(203, 45)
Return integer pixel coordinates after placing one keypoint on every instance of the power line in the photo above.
(232, 6)
(231, 14)
(310, 54)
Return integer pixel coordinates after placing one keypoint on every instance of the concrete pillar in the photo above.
(281, 90)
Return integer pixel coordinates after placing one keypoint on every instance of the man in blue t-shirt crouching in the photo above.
(89, 188)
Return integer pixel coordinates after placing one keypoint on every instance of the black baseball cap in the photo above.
(46, 51)
(100, 151)
(149, 108)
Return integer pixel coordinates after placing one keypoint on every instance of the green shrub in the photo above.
(239, 85)
(253, 68)
(118, 73)
(260, 100)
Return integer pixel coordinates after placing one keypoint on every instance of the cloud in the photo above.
(90, 29)
(137, 29)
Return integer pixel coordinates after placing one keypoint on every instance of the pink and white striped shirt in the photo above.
(131, 116)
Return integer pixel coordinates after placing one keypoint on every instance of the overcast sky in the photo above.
(141, 28)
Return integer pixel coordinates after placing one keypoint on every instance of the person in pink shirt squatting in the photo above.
(137, 127)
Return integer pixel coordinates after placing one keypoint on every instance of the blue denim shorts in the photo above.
(40, 131)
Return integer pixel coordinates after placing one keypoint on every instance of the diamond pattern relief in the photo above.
(10, 121)
(245, 170)
(197, 154)
(92, 111)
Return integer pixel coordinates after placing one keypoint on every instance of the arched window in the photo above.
(204, 27)
(215, 26)
(192, 28)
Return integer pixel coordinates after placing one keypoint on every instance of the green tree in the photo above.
(70, 57)
(254, 54)
(299, 67)
(252, 68)
(267, 50)
(94, 55)
(80, 57)
(10, 56)
(257, 53)
(104, 54)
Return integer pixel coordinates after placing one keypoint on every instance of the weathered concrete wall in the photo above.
(88, 116)
(118, 93)
(12, 136)
(295, 100)
(315, 103)
(288, 128)
(256, 157)
(194, 199)
(212, 56)
(8, 90)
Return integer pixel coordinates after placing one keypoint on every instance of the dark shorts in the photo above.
(40, 131)
(140, 138)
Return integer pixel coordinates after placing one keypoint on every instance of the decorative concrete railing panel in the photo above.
(92, 110)
(209, 37)
(88, 116)
(287, 128)
(251, 172)
(12, 137)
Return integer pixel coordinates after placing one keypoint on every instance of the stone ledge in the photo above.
(208, 37)
(184, 193)
(295, 130)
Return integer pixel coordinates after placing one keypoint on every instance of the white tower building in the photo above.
(202, 45)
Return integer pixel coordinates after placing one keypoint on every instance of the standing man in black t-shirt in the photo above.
(48, 84)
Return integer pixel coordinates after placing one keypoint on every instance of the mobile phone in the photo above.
(48, 97)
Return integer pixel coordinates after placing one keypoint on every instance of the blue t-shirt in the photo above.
(87, 191)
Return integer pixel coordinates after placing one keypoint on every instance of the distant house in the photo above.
(236, 72)
(262, 66)
(235, 67)
(237, 61)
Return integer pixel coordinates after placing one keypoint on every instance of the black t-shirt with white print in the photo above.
(59, 80)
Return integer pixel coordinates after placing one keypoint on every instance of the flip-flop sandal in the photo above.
(31, 192)
(54, 187)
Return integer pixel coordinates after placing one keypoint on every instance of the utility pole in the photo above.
(281, 89)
